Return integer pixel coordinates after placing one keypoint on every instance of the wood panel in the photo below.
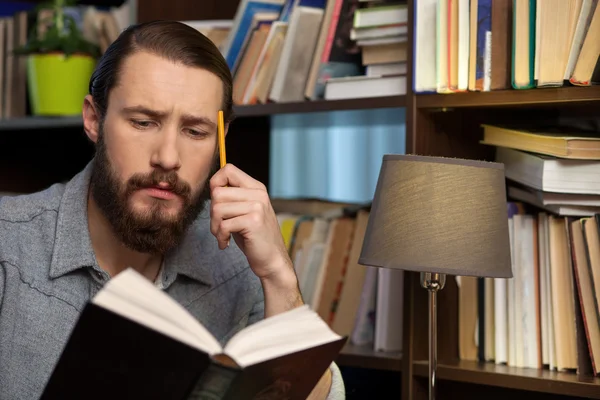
(365, 357)
(567, 95)
(450, 390)
(502, 376)
(319, 106)
(99, 3)
(148, 10)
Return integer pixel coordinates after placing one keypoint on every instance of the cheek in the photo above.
(197, 163)
(128, 154)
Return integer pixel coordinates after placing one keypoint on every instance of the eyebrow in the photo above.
(188, 119)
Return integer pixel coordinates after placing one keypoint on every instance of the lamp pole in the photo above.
(432, 282)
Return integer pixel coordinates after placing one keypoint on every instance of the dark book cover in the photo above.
(584, 361)
(502, 29)
(111, 357)
(341, 56)
(484, 28)
(481, 319)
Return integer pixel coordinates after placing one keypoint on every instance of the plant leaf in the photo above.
(69, 41)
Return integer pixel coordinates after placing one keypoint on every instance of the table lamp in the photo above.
(438, 216)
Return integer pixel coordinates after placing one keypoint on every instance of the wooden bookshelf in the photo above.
(366, 357)
(545, 381)
(450, 125)
(436, 124)
(570, 95)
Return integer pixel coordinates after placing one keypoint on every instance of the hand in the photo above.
(241, 208)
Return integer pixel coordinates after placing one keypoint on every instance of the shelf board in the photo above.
(511, 98)
(365, 357)
(33, 122)
(102, 3)
(260, 110)
(319, 106)
(546, 381)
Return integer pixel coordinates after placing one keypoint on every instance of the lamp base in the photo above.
(432, 282)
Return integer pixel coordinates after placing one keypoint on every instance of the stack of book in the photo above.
(554, 168)
(483, 45)
(324, 240)
(380, 31)
(293, 50)
(547, 315)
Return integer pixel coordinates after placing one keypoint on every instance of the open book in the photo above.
(134, 341)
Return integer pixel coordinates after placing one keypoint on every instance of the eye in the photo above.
(197, 134)
(141, 124)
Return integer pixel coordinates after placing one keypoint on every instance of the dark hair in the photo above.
(172, 40)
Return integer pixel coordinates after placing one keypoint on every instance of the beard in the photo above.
(154, 230)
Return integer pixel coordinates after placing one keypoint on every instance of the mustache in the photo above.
(176, 185)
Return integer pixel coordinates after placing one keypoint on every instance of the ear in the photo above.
(91, 119)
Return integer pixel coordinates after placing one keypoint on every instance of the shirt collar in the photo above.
(73, 246)
(72, 243)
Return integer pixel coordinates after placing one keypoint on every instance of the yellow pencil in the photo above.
(221, 132)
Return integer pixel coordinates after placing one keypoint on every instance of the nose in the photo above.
(166, 154)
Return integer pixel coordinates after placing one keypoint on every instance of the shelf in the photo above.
(511, 98)
(319, 105)
(546, 381)
(260, 110)
(99, 3)
(365, 357)
(40, 123)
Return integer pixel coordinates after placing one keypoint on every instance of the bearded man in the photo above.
(151, 199)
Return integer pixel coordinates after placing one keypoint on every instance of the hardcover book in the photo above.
(133, 341)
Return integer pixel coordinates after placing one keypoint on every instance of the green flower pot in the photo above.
(58, 83)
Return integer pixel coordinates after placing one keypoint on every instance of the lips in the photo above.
(160, 193)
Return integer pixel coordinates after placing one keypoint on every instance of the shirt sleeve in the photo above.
(337, 390)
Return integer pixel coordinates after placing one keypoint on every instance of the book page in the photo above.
(298, 329)
(131, 295)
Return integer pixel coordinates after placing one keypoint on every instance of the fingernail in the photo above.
(227, 244)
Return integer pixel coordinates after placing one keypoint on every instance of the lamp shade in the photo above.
(439, 215)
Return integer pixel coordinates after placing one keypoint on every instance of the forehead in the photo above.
(160, 84)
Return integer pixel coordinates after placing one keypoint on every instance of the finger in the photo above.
(230, 175)
(221, 194)
(230, 210)
(239, 224)
(222, 211)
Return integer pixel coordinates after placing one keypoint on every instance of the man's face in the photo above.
(156, 151)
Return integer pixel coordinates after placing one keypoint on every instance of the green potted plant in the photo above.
(60, 61)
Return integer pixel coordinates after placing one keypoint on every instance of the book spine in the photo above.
(484, 28)
(214, 383)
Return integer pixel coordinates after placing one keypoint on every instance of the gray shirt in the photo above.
(48, 271)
